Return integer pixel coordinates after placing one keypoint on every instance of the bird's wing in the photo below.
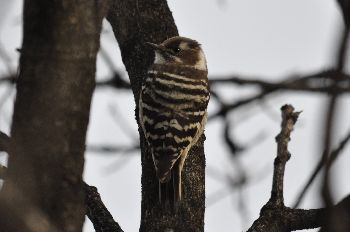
(171, 116)
(168, 133)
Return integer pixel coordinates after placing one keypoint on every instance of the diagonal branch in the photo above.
(4, 142)
(333, 156)
(97, 212)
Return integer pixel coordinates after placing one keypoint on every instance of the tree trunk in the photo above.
(134, 23)
(43, 190)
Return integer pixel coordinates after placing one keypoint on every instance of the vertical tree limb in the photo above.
(51, 113)
(289, 118)
(332, 103)
(134, 23)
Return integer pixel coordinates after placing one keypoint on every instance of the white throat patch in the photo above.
(159, 59)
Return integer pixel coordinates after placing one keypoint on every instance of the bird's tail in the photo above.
(170, 192)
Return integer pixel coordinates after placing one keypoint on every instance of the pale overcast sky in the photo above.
(263, 38)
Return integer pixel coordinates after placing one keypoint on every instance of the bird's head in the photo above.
(181, 51)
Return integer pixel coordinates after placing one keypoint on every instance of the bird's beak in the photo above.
(152, 45)
(156, 47)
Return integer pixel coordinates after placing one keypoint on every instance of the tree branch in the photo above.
(98, 213)
(4, 142)
(134, 23)
(95, 209)
(332, 104)
(287, 219)
(289, 118)
(316, 82)
(275, 216)
(321, 163)
(51, 111)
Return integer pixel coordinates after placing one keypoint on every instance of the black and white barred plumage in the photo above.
(173, 106)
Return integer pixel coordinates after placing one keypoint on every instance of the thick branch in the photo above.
(286, 219)
(98, 213)
(134, 23)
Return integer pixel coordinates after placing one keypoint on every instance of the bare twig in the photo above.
(289, 118)
(108, 149)
(229, 107)
(8, 79)
(235, 148)
(275, 216)
(315, 82)
(97, 211)
(4, 142)
(290, 81)
(4, 146)
(333, 156)
(116, 81)
(331, 111)
(276, 201)
(345, 8)
(318, 82)
(3, 171)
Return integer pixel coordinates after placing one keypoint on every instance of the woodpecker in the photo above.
(173, 109)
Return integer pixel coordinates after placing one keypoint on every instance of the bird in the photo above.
(173, 109)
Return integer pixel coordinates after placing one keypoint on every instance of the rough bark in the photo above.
(134, 23)
(44, 188)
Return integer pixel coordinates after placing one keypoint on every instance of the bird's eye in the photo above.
(176, 50)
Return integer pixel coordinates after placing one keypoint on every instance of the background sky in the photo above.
(269, 39)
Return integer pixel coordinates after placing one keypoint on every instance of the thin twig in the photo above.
(226, 108)
(11, 79)
(3, 171)
(318, 82)
(331, 108)
(116, 81)
(4, 142)
(315, 82)
(289, 118)
(333, 156)
(110, 149)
